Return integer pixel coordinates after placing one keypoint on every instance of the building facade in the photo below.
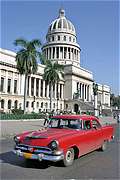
(73, 93)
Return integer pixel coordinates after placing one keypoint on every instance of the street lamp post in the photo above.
(95, 89)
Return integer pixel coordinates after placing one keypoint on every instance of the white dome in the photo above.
(61, 24)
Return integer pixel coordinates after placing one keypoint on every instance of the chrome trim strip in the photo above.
(39, 147)
(54, 158)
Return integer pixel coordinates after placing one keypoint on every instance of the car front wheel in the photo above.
(104, 146)
(69, 157)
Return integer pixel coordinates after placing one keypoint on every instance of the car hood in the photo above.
(45, 136)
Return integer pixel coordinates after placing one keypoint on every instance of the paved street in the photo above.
(95, 165)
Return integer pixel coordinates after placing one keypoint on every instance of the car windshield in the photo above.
(65, 123)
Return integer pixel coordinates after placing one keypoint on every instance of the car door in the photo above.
(88, 137)
(97, 132)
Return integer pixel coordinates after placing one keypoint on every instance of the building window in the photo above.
(32, 104)
(64, 38)
(45, 88)
(54, 105)
(61, 52)
(37, 104)
(52, 38)
(32, 86)
(2, 84)
(2, 103)
(70, 38)
(41, 104)
(57, 52)
(27, 104)
(69, 53)
(58, 38)
(46, 105)
(15, 104)
(41, 91)
(9, 104)
(53, 52)
(66, 106)
(15, 86)
(65, 53)
(54, 91)
(77, 86)
(37, 87)
(9, 85)
(50, 53)
(60, 106)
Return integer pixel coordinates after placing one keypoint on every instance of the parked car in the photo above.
(68, 137)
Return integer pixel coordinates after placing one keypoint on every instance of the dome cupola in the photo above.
(61, 24)
(61, 41)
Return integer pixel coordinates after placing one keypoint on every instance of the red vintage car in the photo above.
(68, 137)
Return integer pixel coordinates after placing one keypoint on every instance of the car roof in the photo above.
(70, 116)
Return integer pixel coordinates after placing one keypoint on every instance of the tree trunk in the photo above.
(50, 96)
(24, 101)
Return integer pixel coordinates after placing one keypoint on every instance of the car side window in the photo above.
(95, 124)
(86, 124)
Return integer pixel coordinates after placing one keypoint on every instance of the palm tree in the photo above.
(53, 72)
(26, 59)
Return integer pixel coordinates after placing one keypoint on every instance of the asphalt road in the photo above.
(95, 165)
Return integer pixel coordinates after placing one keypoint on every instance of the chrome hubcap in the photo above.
(69, 156)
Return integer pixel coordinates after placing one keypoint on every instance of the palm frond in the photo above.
(21, 42)
(36, 42)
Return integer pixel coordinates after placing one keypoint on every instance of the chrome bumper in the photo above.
(40, 156)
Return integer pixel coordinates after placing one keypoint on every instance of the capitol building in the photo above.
(61, 46)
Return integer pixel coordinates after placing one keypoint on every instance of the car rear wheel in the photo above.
(104, 146)
(69, 157)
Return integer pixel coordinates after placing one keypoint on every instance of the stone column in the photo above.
(55, 52)
(48, 91)
(34, 86)
(81, 90)
(6, 82)
(55, 90)
(12, 82)
(48, 53)
(39, 87)
(59, 90)
(29, 85)
(43, 88)
(88, 93)
(51, 52)
(67, 53)
(62, 96)
(84, 91)
(63, 52)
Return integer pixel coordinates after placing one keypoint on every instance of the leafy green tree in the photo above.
(115, 101)
(26, 59)
(53, 72)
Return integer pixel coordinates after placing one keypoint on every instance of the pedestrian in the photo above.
(46, 119)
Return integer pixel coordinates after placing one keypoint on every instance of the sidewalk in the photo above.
(8, 128)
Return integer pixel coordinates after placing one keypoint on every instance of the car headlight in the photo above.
(17, 139)
(54, 145)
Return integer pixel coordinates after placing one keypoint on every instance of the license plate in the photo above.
(27, 155)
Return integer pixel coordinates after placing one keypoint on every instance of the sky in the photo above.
(96, 24)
